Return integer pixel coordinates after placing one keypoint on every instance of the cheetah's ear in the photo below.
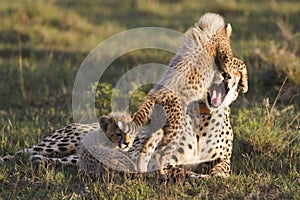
(228, 30)
(104, 121)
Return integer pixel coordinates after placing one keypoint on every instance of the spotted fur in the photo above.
(189, 75)
(62, 145)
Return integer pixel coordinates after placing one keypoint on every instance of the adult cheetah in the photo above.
(189, 75)
(187, 79)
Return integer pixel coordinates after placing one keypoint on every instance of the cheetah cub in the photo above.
(189, 76)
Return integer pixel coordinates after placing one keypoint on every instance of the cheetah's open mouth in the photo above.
(216, 94)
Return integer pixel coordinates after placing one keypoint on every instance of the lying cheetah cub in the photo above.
(62, 145)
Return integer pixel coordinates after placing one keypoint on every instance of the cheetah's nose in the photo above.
(126, 144)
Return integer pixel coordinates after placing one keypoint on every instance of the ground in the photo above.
(54, 37)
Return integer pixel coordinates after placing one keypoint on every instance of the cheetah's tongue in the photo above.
(216, 98)
(216, 95)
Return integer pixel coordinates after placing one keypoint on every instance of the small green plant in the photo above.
(104, 94)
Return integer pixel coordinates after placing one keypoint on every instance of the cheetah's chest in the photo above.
(214, 137)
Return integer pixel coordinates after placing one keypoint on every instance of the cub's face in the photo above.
(113, 133)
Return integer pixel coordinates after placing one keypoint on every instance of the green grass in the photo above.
(55, 36)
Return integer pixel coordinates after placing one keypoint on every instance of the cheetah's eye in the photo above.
(119, 134)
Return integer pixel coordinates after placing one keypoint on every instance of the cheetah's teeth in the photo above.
(216, 98)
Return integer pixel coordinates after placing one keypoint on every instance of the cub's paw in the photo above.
(243, 87)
